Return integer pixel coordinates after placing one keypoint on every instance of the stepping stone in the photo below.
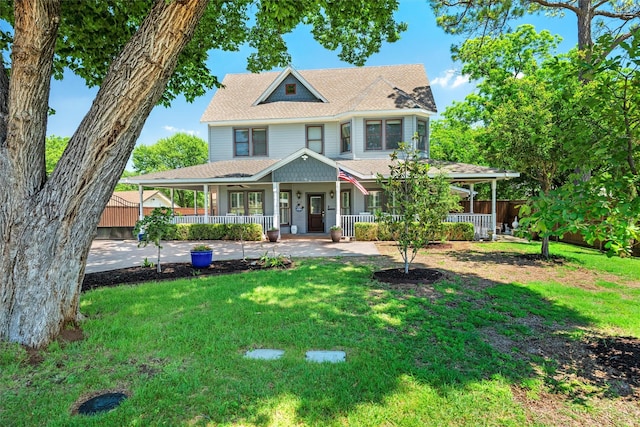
(264, 354)
(326, 356)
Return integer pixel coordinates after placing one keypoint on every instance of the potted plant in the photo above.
(336, 233)
(201, 256)
(272, 234)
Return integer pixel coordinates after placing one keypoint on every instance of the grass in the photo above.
(177, 348)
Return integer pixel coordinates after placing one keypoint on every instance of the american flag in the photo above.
(348, 177)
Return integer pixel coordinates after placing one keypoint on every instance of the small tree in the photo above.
(155, 227)
(418, 203)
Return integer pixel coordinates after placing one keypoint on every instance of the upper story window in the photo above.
(422, 136)
(383, 134)
(290, 89)
(250, 142)
(315, 138)
(345, 137)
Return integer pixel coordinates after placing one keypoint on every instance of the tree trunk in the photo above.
(585, 16)
(47, 226)
(544, 250)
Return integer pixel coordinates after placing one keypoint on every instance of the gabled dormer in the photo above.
(290, 86)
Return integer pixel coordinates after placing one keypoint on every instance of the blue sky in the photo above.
(422, 43)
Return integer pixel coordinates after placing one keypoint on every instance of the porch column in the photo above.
(173, 204)
(338, 216)
(276, 204)
(493, 208)
(195, 202)
(471, 198)
(206, 203)
(141, 211)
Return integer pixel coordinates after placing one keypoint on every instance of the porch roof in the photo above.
(255, 170)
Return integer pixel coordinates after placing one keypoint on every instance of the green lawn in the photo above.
(177, 348)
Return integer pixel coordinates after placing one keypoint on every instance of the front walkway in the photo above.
(113, 254)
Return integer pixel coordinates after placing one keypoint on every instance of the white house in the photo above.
(289, 149)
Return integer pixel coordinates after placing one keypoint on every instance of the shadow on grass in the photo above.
(418, 351)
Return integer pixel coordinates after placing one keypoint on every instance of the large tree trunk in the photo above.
(47, 226)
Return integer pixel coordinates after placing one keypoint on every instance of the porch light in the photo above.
(298, 194)
(331, 194)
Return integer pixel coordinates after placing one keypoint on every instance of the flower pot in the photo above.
(336, 235)
(273, 235)
(201, 259)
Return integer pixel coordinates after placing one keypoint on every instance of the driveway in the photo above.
(113, 254)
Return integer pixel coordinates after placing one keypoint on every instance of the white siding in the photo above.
(286, 139)
(220, 143)
(332, 139)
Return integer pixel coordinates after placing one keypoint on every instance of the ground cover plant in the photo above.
(502, 339)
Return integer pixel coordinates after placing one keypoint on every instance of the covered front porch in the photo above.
(304, 193)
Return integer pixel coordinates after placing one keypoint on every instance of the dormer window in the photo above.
(290, 89)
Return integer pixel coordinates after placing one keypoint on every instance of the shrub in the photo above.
(366, 231)
(458, 231)
(218, 232)
(369, 231)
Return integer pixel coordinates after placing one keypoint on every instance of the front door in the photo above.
(315, 219)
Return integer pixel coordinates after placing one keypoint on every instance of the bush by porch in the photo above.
(249, 232)
(371, 231)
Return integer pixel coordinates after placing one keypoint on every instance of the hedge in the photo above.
(368, 231)
(218, 232)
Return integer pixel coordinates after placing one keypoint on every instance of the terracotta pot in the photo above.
(336, 235)
(273, 235)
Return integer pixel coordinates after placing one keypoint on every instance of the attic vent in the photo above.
(290, 89)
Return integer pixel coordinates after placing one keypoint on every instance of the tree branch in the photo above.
(36, 28)
(98, 151)
(555, 5)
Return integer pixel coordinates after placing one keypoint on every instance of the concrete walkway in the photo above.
(113, 254)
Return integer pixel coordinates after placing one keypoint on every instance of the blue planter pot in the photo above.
(201, 259)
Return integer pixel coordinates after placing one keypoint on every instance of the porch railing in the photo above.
(481, 222)
(265, 221)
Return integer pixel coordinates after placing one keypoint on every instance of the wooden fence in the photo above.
(126, 216)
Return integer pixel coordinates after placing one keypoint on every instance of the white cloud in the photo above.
(450, 79)
(176, 130)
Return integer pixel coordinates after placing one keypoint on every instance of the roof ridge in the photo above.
(357, 100)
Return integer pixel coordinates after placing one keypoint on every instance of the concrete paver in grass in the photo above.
(326, 356)
(264, 354)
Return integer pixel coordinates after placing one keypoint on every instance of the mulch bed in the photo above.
(140, 274)
(414, 276)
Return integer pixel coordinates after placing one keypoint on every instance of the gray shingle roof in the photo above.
(357, 89)
(366, 169)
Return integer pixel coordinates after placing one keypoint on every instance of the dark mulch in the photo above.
(621, 354)
(414, 276)
(140, 274)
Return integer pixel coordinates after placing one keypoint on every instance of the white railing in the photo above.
(481, 222)
(265, 221)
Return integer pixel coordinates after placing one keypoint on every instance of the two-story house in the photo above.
(301, 150)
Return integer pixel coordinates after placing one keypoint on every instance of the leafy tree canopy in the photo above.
(92, 33)
(490, 18)
(177, 151)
